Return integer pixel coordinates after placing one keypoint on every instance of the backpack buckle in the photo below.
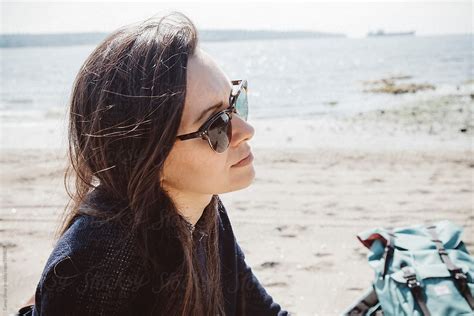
(459, 275)
(461, 279)
(413, 283)
(410, 276)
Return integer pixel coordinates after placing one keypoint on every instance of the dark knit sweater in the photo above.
(93, 272)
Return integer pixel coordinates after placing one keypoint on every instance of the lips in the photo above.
(248, 153)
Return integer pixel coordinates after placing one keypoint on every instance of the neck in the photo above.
(190, 205)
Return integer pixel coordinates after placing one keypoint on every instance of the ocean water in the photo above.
(287, 77)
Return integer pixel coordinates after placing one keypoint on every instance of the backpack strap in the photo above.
(388, 253)
(364, 304)
(415, 289)
(458, 276)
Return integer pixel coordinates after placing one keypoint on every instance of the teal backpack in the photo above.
(419, 270)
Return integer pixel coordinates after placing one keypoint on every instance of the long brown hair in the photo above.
(125, 110)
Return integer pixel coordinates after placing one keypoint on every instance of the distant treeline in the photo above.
(69, 39)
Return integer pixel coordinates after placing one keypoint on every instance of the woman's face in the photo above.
(192, 166)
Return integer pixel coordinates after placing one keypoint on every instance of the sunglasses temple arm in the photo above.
(190, 136)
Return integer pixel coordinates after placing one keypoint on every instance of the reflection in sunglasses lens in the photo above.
(220, 133)
(242, 104)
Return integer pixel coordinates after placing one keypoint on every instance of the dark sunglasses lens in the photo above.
(241, 104)
(220, 133)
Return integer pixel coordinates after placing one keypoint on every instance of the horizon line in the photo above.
(235, 29)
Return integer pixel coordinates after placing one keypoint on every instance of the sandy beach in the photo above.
(319, 182)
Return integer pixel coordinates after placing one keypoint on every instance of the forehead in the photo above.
(206, 85)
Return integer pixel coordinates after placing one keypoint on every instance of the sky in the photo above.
(353, 18)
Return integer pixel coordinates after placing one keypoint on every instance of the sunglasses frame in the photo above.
(202, 132)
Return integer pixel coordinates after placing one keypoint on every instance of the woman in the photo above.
(156, 132)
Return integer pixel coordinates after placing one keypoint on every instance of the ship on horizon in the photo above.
(381, 32)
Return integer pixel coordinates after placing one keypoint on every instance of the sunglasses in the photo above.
(217, 130)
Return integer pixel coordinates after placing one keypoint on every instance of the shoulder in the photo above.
(93, 243)
(90, 241)
(92, 268)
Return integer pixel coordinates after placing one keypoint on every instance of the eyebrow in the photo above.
(203, 114)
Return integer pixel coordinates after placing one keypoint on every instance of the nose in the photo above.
(241, 131)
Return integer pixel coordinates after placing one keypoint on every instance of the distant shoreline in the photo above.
(93, 38)
(70, 39)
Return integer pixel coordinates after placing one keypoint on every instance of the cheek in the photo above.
(195, 167)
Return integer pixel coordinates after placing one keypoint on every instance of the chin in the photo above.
(243, 180)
